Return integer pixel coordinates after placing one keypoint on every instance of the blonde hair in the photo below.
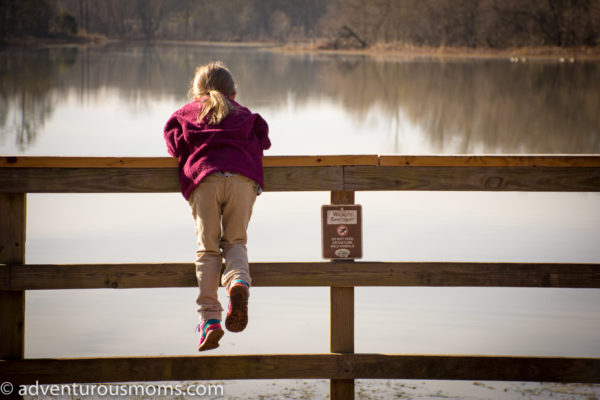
(213, 85)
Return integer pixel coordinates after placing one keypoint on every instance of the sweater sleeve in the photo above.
(173, 134)
(262, 132)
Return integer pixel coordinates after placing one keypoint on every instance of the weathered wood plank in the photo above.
(313, 161)
(302, 366)
(283, 179)
(170, 162)
(147, 180)
(487, 368)
(565, 160)
(437, 274)
(98, 276)
(574, 160)
(342, 320)
(341, 317)
(342, 197)
(87, 162)
(12, 228)
(12, 251)
(335, 274)
(342, 303)
(561, 179)
(89, 180)
(12, 325)
(314, 178)
(151, 180)
(341, 389)
(165, 368)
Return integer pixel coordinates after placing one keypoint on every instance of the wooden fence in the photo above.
(342, 176)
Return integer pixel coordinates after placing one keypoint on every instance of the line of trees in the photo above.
(472, 23)
(216, 20)
(35, 18)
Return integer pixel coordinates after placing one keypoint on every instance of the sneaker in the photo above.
(210, 334)
(237, 315)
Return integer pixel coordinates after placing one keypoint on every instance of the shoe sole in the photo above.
(212, 340)
(237, 319)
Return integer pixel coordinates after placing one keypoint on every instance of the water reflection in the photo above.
(485, 106)
(27, 96)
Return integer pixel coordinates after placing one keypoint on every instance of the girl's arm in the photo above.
(262, 132)
(173, 134)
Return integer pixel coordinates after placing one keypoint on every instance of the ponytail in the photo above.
(213, 85)
(217, 105)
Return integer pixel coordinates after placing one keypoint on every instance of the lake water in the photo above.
(114, 101)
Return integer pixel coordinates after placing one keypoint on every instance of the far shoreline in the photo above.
(385, 50)
(317, 46)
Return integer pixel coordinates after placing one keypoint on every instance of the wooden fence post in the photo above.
(12, 303)
(12, 251)
(342, 319)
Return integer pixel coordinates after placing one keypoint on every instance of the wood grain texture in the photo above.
(341, 389)
(12, 325)
(303, 366)
(342, 197)
(492, 161)
(12, 228)
(313, 178)
(565, 160)
(12, 251)
(341, 336)
(89, 180)
(87, 162)
(312, 161)
(290, 179)
(342, 313)
(342, 320)
(98, 276)
(561, 179)
(150, 180)
(332, 274)
(171, 162)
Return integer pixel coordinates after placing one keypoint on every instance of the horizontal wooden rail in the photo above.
(302, 366)
(170, 162)
(492, 161)
(583, 160)
(313, 173)
(333, 274)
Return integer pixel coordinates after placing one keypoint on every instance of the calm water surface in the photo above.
(114, 101)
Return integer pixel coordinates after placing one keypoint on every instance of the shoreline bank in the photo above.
(411, 51)
(379, 50)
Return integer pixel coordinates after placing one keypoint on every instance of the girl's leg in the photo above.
(240, 196)
(206, 209)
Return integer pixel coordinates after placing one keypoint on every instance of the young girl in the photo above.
(219, 144)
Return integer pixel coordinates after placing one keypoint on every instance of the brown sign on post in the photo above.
(342, 231)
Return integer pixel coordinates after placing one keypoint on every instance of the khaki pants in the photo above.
(222, 207)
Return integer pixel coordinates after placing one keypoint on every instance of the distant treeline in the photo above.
(35, 18)
(349, 23)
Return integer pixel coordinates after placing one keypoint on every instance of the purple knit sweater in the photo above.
(235, 145)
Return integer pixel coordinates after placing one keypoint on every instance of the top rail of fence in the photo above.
(563, 173)
(565, 160)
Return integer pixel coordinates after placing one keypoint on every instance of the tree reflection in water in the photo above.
(460, 105)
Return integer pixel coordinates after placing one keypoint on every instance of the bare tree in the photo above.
(490, 23)
(151, 14)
